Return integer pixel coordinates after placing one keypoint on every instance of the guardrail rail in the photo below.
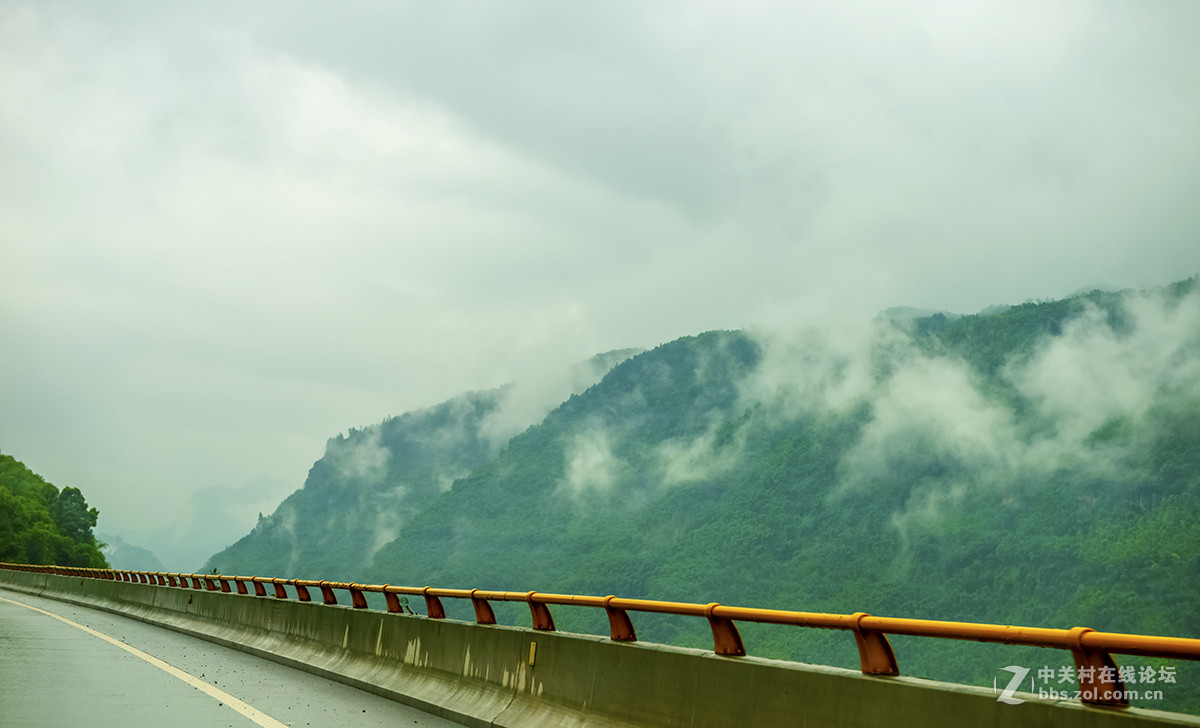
(1099, 679)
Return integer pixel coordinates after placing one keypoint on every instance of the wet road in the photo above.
(65, 673)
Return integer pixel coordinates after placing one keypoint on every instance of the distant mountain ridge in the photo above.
(1038, 465)
(124, 555)
(372, 480)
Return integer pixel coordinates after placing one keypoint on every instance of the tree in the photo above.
(75, 520)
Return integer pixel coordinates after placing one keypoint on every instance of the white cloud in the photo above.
(1093, 373)
(590, 465)
(688, 459)
(358, 458)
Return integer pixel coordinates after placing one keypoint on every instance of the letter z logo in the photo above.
(1008, 696)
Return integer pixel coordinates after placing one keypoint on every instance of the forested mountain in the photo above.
(373, 480)
(1037, 466)
(40, 524)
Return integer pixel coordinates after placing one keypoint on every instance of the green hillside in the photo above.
(40, 524)
(1037, 466)
(373, 481)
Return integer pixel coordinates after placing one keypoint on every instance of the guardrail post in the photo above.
(726, 640)
(483, 610)
(874, 651)
(620, 628)
(241, 585)
(393, 601)
(1097, 673)
(327, 594)
(357, 600)
(259, 589)
(540, 614)
(225, 585)
(280, 592)
(302, 592)
(433, 605)
(171, 580)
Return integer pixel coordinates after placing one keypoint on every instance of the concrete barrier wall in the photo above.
(483, 675)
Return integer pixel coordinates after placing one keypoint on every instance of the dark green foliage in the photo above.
(40, 525)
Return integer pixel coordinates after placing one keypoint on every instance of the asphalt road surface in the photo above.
(97, 669)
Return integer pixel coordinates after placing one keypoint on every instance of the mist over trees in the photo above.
(1039, 466)
(40, 524)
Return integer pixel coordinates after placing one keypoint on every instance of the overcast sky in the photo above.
(231, 230)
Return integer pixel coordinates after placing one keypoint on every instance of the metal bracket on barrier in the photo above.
(162, 580)
(540, 614)
(241, 585)
(726, 640)
(620, 628)
(433, 605)
(357, 600)
(280, 592)
(302, 592)
(483, 610)
(225, 585)
(874, 651)
(209, 584)
(259, 589)
(327, 594)
(1092, 669)
(171, 580)
(393, 601)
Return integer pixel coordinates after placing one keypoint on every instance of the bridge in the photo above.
(485, 674)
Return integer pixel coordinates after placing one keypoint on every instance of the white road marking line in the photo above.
(250, 712)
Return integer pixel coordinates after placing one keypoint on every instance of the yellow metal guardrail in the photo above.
(1099, 679)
